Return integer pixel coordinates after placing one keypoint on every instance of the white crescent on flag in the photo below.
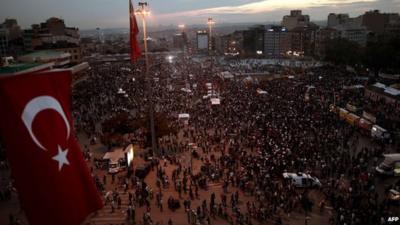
(34, 107)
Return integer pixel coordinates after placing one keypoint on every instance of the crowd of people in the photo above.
(248, 141)
(242, 145)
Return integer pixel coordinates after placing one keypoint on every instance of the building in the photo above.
(355, 33)
(323, 36)
(382, 93)
(3, 41)
(376, 22)
(295, 19)
(46, 56)
(337, 19)
(392, 29)
(348, 28)
(202, 40)
(253, 41)
(230, 44)
(303, 40)
(365, 27)
(54, 35)
(14, 31)
(10, 38)
(179, 41)
(276, 41)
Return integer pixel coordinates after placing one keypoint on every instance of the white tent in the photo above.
(120, 91)
(184, 116)
(261, 92)
(186, 90)
(215, 101)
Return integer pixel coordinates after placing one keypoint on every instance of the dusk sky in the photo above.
(87, 14)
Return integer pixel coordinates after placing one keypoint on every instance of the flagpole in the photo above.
(143, 11)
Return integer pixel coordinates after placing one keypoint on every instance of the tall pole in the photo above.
(143, 12)
(210, 23)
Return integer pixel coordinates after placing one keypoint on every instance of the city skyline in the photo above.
(114, 14)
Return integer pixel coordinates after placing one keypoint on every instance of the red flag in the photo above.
(134, 31)
(51, 176)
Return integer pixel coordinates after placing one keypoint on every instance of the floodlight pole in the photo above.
(143, 12)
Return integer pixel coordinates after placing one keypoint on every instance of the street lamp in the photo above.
(210, 23)
(181, 26)
(143, 11)
(182, 30)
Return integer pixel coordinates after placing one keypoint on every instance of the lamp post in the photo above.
(143, 11)
(182, 30)
(181, 27)
(210, 23)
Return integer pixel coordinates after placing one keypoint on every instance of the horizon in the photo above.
(164, 14)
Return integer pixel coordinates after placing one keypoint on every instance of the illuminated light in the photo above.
(169, 58)
(130, 155)
(210, 21)
(259, 52)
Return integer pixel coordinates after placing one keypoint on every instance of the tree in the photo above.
(341, 51)
(383, 54)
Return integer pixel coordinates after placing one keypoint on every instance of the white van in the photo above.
(379, 132)
(115, 160)
(390, 165)
(302, 180)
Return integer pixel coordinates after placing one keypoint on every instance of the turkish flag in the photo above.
(134, 31)
(53, 181)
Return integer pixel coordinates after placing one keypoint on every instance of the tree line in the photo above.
(381, 53)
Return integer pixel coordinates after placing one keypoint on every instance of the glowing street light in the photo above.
(181, 26)
(143, 11)
(210, 23)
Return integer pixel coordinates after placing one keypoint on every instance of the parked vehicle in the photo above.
(302, 180)
(390, 165)
(379, 132)
(394, 197)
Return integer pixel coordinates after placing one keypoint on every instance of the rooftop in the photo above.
(19, 68)
(44, 56)
(385, 90)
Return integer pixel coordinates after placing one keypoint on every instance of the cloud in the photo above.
(263, 6)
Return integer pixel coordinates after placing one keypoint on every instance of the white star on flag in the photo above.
(61, 157)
